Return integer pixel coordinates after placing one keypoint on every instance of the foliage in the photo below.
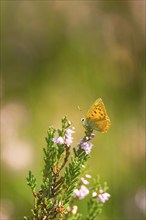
(61, 181)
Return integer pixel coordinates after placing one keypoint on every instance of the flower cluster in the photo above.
(61, 178)
(73, 209)
(85, 144)
(101, 196)
(68, 136)
(83, 191)
(67, 139)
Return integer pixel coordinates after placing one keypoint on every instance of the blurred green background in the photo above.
(57, 55)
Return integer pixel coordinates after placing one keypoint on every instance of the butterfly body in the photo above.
(97, 118)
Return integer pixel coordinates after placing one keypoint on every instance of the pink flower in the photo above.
(67, 139)
(86, 146)
(101, 196)
(68, 136)
(81, 193)
(76, 193)
(69, 131)
(84, 181)
(58, 140)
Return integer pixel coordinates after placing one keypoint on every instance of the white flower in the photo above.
(88, 176)
(74, 209)
(84, 181)
(68, 209)
(94, 194)
(83, 166)
(69, 122)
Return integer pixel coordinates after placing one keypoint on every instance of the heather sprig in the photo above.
(62, 182)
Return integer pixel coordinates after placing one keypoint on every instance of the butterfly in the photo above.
(96, 117)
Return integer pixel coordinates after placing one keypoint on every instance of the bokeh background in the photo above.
(56, 56)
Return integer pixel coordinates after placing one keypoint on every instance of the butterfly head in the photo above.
(86, 124)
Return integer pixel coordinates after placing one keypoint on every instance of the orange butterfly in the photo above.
(96, 117)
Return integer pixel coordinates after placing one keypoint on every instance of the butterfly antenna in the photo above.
(81, 111)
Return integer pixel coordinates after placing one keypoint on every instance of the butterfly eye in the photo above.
(82, 119)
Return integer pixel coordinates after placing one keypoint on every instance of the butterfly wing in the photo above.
(101, 126)
(97, 118)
